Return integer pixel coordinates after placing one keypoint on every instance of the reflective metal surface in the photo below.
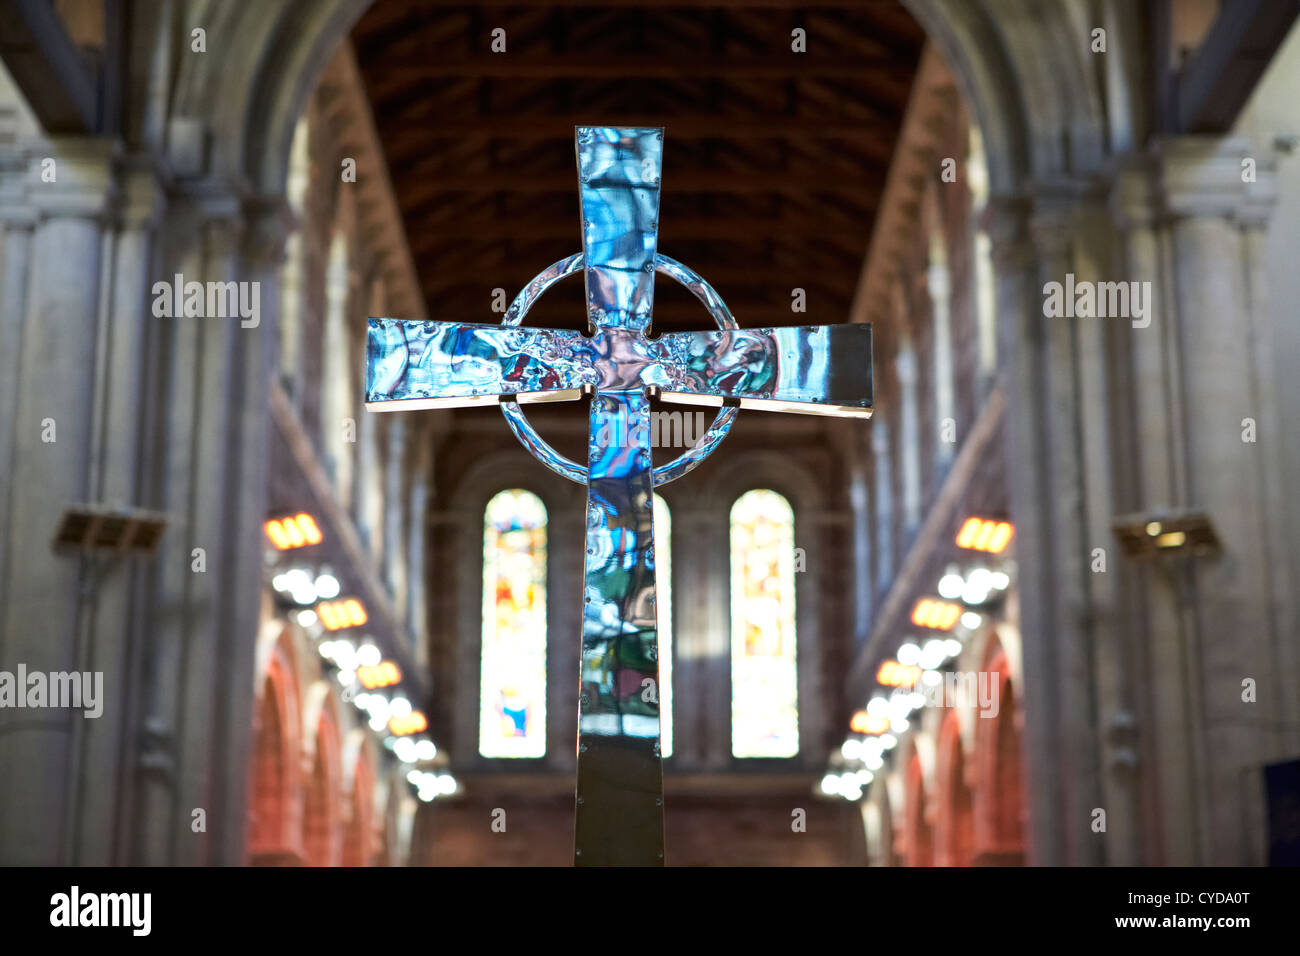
(620, 816)
(821, 370)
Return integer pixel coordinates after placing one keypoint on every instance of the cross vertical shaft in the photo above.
(619, 812)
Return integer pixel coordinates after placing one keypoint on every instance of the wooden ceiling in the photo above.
(774, 160)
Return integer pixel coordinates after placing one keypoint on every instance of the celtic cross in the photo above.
(812, 369)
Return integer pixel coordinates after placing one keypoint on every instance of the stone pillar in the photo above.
(117, 468)
(1228, 624)
(17, 219)
(46, 595)
(1023, 352)
(216, 371)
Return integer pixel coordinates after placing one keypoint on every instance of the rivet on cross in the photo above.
(812, 369)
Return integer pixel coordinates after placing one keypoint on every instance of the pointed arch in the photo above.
(273, 818)
(954, 821)
(322, 796)
(359, 844)
(999, 805)
(918, 834)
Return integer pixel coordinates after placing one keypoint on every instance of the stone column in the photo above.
(117, 468)
(1229, 630)
(1023, 352)
(17, 219)
(46, 595)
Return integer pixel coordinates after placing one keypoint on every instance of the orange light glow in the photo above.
(412, 723)
(984, 534)
(383, 674)
(340, 614)
(939, 615)
(966, 536)
(276, 533)
(894, 674)
(864, 723)
(293, 532)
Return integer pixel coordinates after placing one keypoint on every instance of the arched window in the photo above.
(512, 683)
(291, 273)
(909, 428)
(764, 688)
(985, 295)
(939, 288)
(664, 613)
(884, 504)
(337, 361)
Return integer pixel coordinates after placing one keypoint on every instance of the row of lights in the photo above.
(918, 663)
(365, 666)
(362, 666)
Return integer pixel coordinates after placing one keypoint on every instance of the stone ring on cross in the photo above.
(811, 369)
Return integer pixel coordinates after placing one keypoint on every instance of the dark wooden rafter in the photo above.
(61, 87)
(775, 164)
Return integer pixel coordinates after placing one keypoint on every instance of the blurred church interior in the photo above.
(351, 639)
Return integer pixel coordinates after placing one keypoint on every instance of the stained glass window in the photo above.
(664, 607)
(512, 688)
(764, 691)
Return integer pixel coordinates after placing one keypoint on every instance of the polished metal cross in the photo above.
(818, 369)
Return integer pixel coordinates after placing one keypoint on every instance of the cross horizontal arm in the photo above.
(457, 364)
(818, 369)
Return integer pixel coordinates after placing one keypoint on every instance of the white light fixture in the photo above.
(368, 655)
(888, 741)
(878, 707)
(405, 750)
(970, 620)
(951, 585)
(306, 618)
(425, 750)
(933, 654)
(399, 707)
(909, 654)
(931, 678)
(952, 646)
(851, 749)
(831, 784)
(327, 586)
(446, 784)
(346, 677)
(1000, 580)
(280, 582)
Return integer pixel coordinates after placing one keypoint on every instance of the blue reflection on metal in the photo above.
(818, 369)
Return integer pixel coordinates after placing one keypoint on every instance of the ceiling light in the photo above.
(950, 586)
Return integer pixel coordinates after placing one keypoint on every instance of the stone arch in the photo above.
(359, 820)
(255, 90)
(918, 833)
(323, 778)
(878, 826)
(954, 819)
(999, 793)
(274, 806)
